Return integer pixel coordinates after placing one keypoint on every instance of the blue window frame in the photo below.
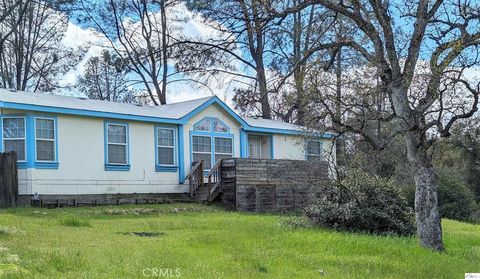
(46, 142)
(255, 145)
(166, 149)
(210, 141)
(36, 147)
(313, 150)
(14, 136)
(117, 157)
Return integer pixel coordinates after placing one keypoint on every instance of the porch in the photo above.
(257, 185)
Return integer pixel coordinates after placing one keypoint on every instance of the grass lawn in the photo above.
(207, 242)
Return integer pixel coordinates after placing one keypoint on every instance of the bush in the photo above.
(455, 199)
(361, 202)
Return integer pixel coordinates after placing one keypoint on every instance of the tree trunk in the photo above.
(262, 84)
(428, 220)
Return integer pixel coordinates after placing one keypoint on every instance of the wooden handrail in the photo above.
(216, 175)
(194, 168)
(195, 178)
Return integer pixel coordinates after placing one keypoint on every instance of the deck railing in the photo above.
(214, 177)
(195, 178)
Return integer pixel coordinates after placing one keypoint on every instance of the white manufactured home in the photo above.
(77, 146)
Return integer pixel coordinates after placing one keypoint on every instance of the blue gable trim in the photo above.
(213, 100)
(246, 127)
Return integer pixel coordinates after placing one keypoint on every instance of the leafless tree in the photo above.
(104, 78)
(399, 38)
(32, 57)
(138, 31)
(244, 42)
(7, 9)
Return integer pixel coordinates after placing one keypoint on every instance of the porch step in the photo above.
(201, 194)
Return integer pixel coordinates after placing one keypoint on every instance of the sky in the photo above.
(78, 35)
(81, 36)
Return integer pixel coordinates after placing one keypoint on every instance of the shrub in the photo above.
(361, 202)
(72, 221)
(455, 199)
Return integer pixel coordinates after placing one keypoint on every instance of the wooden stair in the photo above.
(201, 195)
(201, 191)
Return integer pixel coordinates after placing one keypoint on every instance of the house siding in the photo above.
(81, 156)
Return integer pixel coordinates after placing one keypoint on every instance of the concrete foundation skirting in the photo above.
(102, 199)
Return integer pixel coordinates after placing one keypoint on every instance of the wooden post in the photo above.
(8, 180)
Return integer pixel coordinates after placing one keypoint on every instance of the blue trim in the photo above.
(212, 136)
(45, 164)
(111, 167)
(30, 141)
(30, 134)
(243, 144)
(115, 167)
(166, 168)
(272, 154)
(21, 165)
(213, 100)
(247, 152)
(182, 120)
(305, 147)
(83, 112)
(181, 155)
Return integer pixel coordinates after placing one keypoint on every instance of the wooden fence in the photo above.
(262, 185)
(8, 180)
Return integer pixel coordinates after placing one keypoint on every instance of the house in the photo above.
(77, 146)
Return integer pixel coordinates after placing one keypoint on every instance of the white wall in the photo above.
(81, 160)
(293, 147)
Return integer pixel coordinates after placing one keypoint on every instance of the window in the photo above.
(210, 124)
(314, 150)
(14, 136)
(223, 148)
(203, 125)
(117, 144)
(211, 141)
(45, 139)
(260, 146)
(218, 126)
(202, 150)
(166, 146)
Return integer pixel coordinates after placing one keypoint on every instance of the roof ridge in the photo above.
(90, 99)
(186, 101)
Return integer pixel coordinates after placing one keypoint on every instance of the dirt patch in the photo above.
(144, 234)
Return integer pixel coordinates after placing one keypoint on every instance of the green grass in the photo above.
(207, 242)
